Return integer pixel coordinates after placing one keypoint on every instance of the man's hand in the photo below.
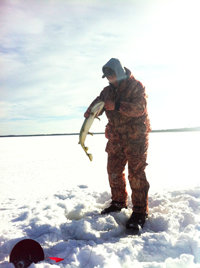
(87, 113)
(109, 105)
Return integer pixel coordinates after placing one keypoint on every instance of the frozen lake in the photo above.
(51, 193)
(30, 166)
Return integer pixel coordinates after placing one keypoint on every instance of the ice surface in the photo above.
(52, 193)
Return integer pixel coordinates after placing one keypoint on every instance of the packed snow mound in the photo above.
(69, 225)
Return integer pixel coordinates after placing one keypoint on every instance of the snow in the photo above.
(52, 193)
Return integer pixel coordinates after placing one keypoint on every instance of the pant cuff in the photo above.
(119, 204)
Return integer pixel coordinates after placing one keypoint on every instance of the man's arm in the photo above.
(133, 108)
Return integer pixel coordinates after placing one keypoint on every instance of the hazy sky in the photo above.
(52, 53)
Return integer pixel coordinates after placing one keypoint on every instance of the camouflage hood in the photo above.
(117, 67)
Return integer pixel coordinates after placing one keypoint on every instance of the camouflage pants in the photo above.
(133, 151)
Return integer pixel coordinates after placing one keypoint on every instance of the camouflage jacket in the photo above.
(131, 121)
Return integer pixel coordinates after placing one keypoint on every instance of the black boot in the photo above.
(114, 207)
(136, 220)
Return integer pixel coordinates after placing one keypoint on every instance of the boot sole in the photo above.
(133, 226)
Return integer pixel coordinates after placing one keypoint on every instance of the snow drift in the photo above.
(63, 215)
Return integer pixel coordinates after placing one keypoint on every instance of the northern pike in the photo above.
(95, 110)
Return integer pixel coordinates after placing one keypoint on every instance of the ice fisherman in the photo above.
(127, 132)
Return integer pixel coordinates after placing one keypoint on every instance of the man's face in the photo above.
(112, 79)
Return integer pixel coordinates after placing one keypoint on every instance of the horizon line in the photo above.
(99, 133)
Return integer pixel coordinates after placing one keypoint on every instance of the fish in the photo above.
(94, 112)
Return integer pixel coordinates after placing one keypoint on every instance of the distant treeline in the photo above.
(178, 129)
(97, 133)
(44, 135)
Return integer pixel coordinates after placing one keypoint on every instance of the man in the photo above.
(127, 133)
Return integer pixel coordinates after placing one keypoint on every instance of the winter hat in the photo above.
(114, 66)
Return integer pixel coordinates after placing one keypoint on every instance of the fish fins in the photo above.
(90, 157)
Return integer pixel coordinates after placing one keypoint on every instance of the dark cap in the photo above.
(107, 72)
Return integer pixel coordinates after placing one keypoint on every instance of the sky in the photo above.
(52, 53)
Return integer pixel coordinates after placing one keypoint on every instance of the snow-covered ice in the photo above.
(52, 193)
